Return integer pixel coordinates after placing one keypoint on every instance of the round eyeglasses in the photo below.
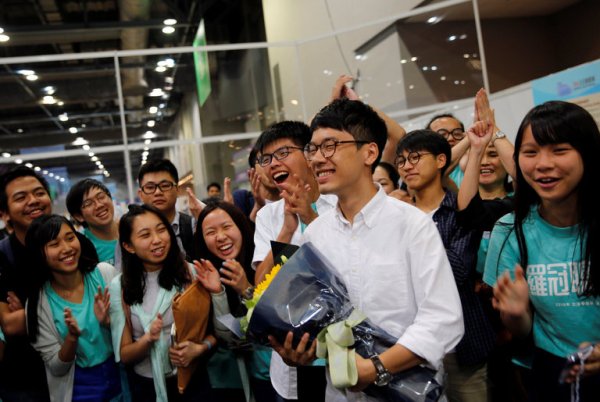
(457, 133)
(413, 158)
(327, 148)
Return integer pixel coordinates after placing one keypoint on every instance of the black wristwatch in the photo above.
(383, 375)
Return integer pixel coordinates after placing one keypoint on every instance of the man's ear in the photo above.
(371, 152)
(440, 161)
(79, 218)
(140, 193)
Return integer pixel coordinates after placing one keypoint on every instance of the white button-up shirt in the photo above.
(269, 222)
(394, 265)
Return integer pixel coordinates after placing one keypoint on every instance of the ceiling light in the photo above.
(94, 158)
(149, 135)
(162, 106)
(86, 147)
(100, 166)
(80, 141)
(145, 154)
(294, 102)
(83, 125)
(148, 142)
(19, 130)
(168, 30)
(91, 154)
(451, 38)
(32, 77)
(434, 20)
(26, 72)
(29, 165)
(466, 55)
(6, 154)
(18, 161)
(63, 117)
(50, 90)
(48, 99)
(37, 169)
(425, 68)
(414, 58)
(170, 21)
(57, 177)
(403, 61)
(443, 78)
(146, 149)
(463, 36)
(456, 82)
(73, 130)
(60, 103)
(411, 87)
(169, 80)
(153, 109)
(1, 30)
(160, 69)
(433, 68)
(4, 38)
(98, 163)
(51, 174)
(150, 123)
(62, 179)
(45, 172)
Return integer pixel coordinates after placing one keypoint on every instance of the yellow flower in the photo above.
(261, 287)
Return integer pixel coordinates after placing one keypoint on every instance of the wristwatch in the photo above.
(383, 375)
(497, 135)
(248, 293)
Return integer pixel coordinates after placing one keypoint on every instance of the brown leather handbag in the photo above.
(191, 312)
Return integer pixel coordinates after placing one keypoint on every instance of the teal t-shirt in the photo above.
(457, 175)
(562, 319)
(94, 345)
(104, 248)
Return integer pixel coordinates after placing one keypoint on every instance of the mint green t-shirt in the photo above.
(104, 248)
(562, 319)
(94, 345)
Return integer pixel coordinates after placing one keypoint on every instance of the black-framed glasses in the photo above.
(164, 186)
(100, 198)
(413, 157)
(327, 148)
(457, 133)
(279, 154)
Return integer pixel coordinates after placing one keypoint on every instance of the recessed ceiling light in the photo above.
(37, 169)
(26, 72)
(434, 20)
(86, 147)
(31, 77)
(63, 117)
(80, 141)
(94, 158)
(160, 69)
(148, 142)
(149, 135)
(151, 123)
(294, 102)
(4, 38)
(403, 61)
(91, 154)
(73, 130)
(168, 30)
(414, 58)
(451, 38)
(29, 165)
(153, 109)
(6, 154)
(170, 21)
(19, 130)
(48, 99)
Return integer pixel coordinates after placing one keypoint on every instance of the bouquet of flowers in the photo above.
(307, 295)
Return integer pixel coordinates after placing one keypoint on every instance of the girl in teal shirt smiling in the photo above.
(67, 319)
(553, 234)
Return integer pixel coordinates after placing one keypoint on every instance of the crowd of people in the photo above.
(476, 254)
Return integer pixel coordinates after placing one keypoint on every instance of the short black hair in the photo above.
(445, 115)
(252, 157)
(158, 165)
(426, 140)
(213, 184)
(357, 119)
(78, 191)
(296, 131)
(392, 172)
(13, 174)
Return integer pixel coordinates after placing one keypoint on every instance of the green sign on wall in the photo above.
(201, 66)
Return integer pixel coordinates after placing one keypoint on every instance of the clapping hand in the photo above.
(101, 306)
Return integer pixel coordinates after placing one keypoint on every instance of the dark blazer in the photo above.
(186, 234)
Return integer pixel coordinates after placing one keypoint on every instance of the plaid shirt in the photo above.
(461, 246)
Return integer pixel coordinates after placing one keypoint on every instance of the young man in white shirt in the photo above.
(388, 253)
(280, 154)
